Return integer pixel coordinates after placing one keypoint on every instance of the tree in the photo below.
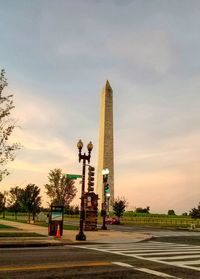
(7, 126)
(15, 200)
(171, 212)
(72, 210)
(61, 190)
(31, 200)
(3, 202)
(195, 212)
(119, 207)
(142, 210)
(184, 214)
(76, 210)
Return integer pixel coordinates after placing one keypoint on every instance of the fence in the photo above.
(174, 221)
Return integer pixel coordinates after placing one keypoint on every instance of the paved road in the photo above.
(155, 232)
(109, 259)
(64, 262)
(146, 260)
(178, 255)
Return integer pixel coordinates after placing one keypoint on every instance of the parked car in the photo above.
(112, 221)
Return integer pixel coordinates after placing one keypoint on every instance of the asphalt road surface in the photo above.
(170, 259)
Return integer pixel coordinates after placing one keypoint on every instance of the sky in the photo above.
(58, 56)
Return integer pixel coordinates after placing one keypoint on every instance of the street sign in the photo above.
(73, 176)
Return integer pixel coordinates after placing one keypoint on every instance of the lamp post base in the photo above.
(104, 220)
(104, 227)
(81, 236)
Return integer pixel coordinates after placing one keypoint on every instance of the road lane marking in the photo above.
(178, 257)
(181, 255)
(147, 270)
(149, 251)
(56, 266)
(182, 264)
(155, 253)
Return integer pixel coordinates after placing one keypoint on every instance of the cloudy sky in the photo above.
(58, 55)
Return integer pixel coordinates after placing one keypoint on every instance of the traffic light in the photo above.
(105, 183)
(106, 188)
(91, 179)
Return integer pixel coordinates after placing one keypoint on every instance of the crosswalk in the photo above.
(179, 255)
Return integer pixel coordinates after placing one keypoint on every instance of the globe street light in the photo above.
(105, 171)
(84, 157)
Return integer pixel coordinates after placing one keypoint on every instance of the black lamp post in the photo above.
(105, 173)
(84, 157)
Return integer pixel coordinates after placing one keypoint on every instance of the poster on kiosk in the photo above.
(56, 220)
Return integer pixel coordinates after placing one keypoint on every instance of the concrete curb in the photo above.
(22, 243)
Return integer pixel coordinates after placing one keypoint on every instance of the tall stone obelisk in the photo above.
(106, 149)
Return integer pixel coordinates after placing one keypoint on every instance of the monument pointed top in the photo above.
(107, 86)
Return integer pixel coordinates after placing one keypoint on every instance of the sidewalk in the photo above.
(69, 236)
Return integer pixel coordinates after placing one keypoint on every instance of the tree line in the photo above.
(60, 190)
(7, 126)
(21, 200)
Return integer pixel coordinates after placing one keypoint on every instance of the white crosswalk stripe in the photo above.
(179, 255)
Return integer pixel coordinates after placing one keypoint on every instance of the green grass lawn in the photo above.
(5, 227)
(65, 227)
(70, 227)
(130, 219)
(43, 224)
(12, 219)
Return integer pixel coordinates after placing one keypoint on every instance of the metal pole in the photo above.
(108, 206)
(104, 210)
(81, 235)
(84, 157)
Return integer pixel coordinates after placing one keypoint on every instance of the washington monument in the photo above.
(106, 150)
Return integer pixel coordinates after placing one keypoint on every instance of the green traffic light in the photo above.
(107, 189)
